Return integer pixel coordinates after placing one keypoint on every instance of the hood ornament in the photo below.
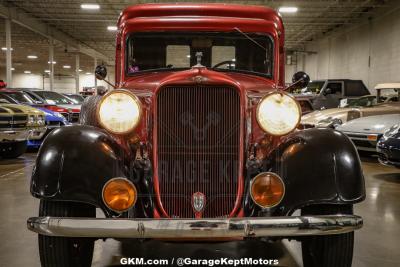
(198, 203)
(199, 56)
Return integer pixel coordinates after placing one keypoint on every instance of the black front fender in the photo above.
(74, 163)
(319, 166)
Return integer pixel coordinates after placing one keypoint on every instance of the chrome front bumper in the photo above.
(14, 135)
(195, 228)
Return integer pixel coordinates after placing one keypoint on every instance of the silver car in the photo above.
(365, 132)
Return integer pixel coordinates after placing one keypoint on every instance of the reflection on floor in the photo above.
(376, 244)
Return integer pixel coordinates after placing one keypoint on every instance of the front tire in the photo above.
(329, 250)
(65, 251)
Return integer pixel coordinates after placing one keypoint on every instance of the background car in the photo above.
(388, 147)
(53, 119)
(325, 94)
(70, 114)
(365, 132)
(355, 108)
(35, 124)
(58, 99)
(14, 131)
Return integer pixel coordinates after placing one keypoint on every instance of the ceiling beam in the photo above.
(20, 17)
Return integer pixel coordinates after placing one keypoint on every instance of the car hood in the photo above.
(316, 116)
(23, 109)
(372, 124)
(149, 82)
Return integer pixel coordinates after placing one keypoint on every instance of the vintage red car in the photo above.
(198, 141)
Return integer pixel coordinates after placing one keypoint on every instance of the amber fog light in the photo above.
(119, 194)
(267, 189)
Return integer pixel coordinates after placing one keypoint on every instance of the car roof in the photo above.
(387, 86)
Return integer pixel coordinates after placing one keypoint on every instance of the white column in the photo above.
(51, 64)
(8, 53)
(77, 73)
(94, 75)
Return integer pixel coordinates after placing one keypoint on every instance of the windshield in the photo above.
(53, 97)
(315, 87)
(234, 51)
(20, 97)
(76, 99)
(361, 102)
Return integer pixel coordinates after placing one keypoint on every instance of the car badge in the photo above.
(198, 203)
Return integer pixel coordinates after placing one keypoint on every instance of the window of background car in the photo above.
(336, 88)
(315, 86)
(250, 52)
(356, 88)
(53, 97)
(21, 97)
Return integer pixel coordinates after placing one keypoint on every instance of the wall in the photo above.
(370, 52)
(63, 85)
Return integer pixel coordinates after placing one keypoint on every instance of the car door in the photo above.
(330, 95)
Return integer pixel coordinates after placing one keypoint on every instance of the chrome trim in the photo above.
(195, 228)
(14, 135)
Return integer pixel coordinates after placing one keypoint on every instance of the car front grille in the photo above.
(198, 144)
(13, 122)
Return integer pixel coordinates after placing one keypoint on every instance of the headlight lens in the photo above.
(31, 120)
(119, 111)
(40, 120)
(278, 113)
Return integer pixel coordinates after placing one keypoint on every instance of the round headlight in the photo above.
(119, 111)
(278, 113)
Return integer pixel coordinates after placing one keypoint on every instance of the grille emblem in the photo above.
(198, 202)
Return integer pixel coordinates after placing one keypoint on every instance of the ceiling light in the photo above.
(47, 71)
(66, 66)
(79, 70)
(188, 56)
(27, 72)
(32, 57)
(112, 28)
(288, 9)
(88, 73)
(54, 62)
(90, 6)
(12, 68)
(5, 49)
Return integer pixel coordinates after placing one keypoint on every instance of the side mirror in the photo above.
(300, 80)
(101, 72)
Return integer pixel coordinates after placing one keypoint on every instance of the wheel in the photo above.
(65, 251)
(13, 150)
(329, 250)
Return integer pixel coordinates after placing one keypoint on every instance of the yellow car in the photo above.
(18, 123)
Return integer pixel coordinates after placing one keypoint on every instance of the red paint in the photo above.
(200, 17)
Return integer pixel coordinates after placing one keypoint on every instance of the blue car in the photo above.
(388, 147)
(53, 119)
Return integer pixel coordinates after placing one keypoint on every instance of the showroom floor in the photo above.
(376, 244)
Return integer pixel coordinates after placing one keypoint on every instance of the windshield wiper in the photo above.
(249, 38)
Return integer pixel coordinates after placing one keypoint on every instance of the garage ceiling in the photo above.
(89, 27)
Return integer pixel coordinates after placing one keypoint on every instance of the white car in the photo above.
(365, 132)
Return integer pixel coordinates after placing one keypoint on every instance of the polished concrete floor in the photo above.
(376, 243)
